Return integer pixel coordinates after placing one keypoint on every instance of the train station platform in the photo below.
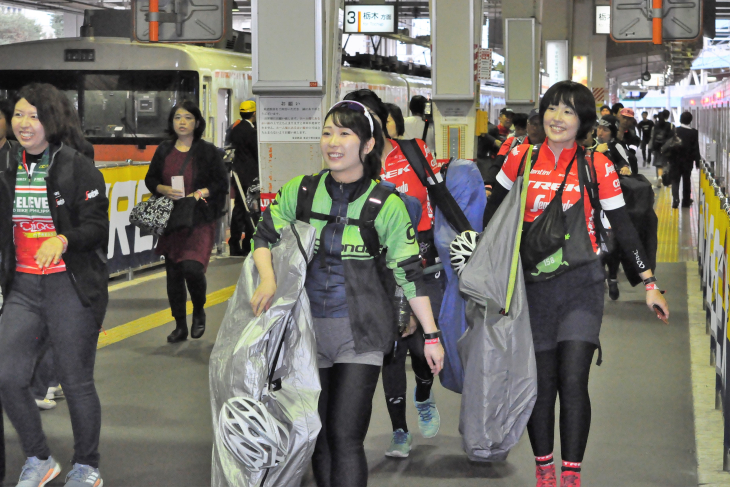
(156, 419)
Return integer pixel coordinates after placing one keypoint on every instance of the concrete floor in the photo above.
(156, 427)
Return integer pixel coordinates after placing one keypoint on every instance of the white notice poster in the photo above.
(485, 64)
(289, 119)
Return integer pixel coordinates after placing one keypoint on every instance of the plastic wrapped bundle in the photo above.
(271, 358)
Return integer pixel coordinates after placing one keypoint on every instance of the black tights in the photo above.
(394, 377)
(345, 405)
(178, 274)
(563, 371)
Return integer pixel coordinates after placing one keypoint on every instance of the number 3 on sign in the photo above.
(351, 17)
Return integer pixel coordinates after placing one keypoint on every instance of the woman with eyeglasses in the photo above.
(396, 169)
(353, 318)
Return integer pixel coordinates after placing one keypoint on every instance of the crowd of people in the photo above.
(368, 151)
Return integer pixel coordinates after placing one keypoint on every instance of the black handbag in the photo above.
(546, 234)
(182, 216)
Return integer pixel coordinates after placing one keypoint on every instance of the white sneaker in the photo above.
(55, 393)
(45, 403)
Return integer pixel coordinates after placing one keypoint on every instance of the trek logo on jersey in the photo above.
(396, 172)
(554, 186)
(92, 194)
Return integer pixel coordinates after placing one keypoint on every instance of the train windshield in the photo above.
(116, 107)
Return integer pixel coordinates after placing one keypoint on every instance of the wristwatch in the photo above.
(649, 280)
(429, 336)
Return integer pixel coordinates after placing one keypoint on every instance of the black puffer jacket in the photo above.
(79, 207)
(209, 172)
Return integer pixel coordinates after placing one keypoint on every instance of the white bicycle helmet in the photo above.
(252, 434)
(461, 249)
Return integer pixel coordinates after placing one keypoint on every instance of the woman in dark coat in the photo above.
(187, 251)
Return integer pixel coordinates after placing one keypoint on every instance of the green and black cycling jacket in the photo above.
(368, 281)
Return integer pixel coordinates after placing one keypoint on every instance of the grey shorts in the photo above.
(335, 344)
(568, 307)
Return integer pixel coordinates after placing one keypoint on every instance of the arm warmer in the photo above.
(628, 238)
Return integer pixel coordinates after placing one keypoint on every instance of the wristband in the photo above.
(649, 280)
(64, 242)
(652, 287)
(432, 341)
(429, 336)
(201, 195)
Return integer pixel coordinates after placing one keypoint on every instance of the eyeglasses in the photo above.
(358, 107)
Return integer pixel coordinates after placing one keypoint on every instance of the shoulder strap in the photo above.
(425, 130)
(591, 181)
(305, 196)
(416, 159)
(534, 150)
(368, 214)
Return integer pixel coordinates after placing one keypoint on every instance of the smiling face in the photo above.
(561, 123)
(28, 128)
(183, 123)
(341, 151)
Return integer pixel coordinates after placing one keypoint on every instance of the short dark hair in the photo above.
(666, 113)
(519, 120)
(395, 112)
(191, 107)
(6, 110)
(371, 100)
(417, 106)
(51, 110)
(605, 107)
(685, 118)
(576, 96)
(247, 115)
(345, 117)
(645, 112)
(616, 107)
(612, 124)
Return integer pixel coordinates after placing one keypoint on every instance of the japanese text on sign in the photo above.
(485, 64)
(370, 19)
(291, 119)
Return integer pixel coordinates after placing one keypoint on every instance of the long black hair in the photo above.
(346, 117)
(371, 100)
(58, 116)
(191, 107)
(576, 96)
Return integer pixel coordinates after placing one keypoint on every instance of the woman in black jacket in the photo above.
(54, 280)
(187, 251)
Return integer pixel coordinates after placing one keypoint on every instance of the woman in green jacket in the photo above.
(346, 285)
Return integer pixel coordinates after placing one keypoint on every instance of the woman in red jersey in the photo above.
(565, 288)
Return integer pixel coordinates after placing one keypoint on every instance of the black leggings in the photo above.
(563, 370)
(345, 405)
(180, 273)
(394, 377)
(612, 260)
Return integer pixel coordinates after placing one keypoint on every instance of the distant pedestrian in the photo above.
(415, 126)
(681, 160)
(187, 251)
(645, 127)
(660, 134)
(246, 167)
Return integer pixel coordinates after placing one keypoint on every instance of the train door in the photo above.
(224, 114)
(205, 108)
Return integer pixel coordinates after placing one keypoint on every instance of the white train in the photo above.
(124, 90)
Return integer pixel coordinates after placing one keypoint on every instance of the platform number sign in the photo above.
(370, 19)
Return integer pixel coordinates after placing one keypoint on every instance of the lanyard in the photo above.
(25, 166)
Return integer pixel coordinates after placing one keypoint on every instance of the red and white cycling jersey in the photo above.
(397, 171)
(546, 177)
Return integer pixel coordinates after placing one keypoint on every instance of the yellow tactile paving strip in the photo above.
(668, 231)
(154, 320)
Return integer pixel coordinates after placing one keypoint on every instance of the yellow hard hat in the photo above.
(247, 106)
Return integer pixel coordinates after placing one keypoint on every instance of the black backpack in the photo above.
(368, 214)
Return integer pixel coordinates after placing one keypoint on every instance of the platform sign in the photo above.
(603, 19)
(485, 64)
(289, 119)
(370, 19)
(186, 21)
(631, 20)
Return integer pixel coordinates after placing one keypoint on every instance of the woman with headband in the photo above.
(352, 333)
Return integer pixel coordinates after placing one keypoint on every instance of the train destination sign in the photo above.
(289, 119)
(370, 19)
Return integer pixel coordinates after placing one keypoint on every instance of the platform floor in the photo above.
(156, 425)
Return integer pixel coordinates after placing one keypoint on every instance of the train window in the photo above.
(116, 107)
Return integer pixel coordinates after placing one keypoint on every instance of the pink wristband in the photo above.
(64, 242)
(432, 341)
(652, 287)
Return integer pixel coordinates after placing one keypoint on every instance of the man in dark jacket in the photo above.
(681, 159)
(246, 167)
(490, 144)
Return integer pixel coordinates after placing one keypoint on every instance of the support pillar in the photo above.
(455, 34)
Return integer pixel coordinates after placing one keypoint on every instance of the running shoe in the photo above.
(429, 420)
(45, 403)
(545, 475)
(613, 292)
(84, 476)
(55, 393)
(37, 473)
(570, 479)
(400, 444)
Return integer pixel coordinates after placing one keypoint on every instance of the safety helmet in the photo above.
(252, 434)
(247, 106)
(461, 249)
